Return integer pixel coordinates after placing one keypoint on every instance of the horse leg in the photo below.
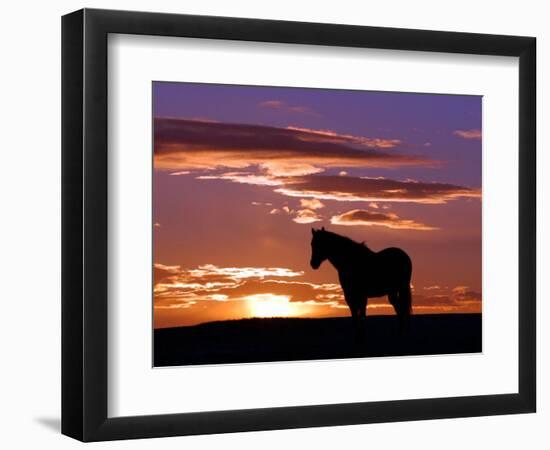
(401, 302)
(394, 300)
(351, 301)
(405, 305)
(357, 324)
(355, 309)
(362, 321)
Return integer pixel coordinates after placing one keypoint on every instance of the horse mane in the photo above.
(344, 241)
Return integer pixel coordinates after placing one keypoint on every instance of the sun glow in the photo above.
(271, 305)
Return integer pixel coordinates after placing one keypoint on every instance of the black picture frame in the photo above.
(84, 224)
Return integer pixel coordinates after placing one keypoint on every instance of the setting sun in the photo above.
(270, 305)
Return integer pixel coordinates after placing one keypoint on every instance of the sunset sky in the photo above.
(242, 173)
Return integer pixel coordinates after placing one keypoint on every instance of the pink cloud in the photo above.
(311, 203)
(283, 106)
(369, 142)
(468, 134)
(361, 217)
(304, 216)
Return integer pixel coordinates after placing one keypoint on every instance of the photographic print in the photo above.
(301, 223)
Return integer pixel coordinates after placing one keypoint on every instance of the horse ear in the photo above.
(313, 231)
(323, 229)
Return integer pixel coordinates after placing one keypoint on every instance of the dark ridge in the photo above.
(295, 339)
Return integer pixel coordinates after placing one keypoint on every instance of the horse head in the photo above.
(318, 247)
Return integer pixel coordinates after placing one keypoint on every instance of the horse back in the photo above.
(395, 260)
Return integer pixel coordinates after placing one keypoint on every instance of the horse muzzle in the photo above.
(315, 264)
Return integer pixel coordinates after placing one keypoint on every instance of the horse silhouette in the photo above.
(364, 274)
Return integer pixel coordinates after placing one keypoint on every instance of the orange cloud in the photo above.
(312, 203)
(374, 190)
(257, 291)
(465, 294)
(432, 288)
(445, 302)
(301, 216)
(306, 216)
(177, 288)
(361, 217)
(244, 178)
(352, 189)
(468, 134)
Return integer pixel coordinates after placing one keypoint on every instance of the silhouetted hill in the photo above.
(285, 339)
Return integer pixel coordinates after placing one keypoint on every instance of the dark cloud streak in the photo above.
(188, 144)
(374, 189)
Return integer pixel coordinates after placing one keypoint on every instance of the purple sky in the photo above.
(414, 118)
